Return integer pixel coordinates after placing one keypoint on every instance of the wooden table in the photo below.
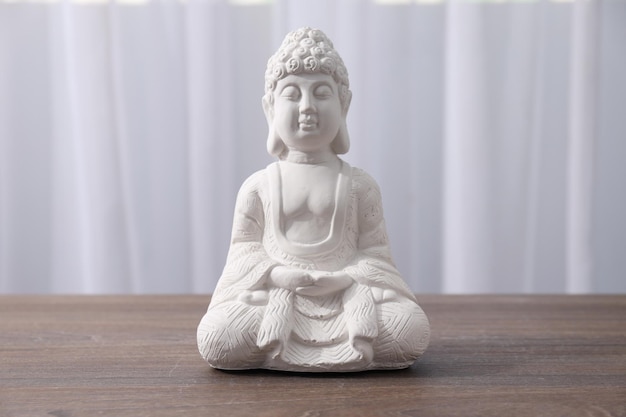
(71, 356)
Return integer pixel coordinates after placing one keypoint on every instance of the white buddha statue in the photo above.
(309, 282)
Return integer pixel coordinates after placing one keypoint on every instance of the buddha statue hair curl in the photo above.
(307, 51)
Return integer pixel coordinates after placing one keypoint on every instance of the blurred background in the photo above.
(496, 130)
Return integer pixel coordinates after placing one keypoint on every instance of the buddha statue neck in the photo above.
(325, 157)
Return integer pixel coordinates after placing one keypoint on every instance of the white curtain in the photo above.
(495, 130)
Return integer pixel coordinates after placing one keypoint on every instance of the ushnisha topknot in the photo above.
(307, 50)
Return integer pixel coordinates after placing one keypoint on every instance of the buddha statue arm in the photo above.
(373, 265)
(248, 264)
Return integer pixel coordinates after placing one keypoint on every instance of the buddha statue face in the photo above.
(307, 95)
(307, 111)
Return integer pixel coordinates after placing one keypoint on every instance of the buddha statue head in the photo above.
(306, 51)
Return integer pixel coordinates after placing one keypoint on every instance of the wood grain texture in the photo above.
(70, 356)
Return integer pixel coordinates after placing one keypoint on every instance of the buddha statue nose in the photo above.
(306, 104)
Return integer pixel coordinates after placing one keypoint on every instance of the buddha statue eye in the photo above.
(290, 93)
(323, 91)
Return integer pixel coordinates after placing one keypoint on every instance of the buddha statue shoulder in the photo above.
(309, 283)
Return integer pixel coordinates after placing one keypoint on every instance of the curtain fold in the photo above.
(582, 132)
(468, 251)
(127, 128)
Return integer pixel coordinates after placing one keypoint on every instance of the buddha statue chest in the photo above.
(308, 195)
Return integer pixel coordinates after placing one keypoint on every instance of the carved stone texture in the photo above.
(309, 283)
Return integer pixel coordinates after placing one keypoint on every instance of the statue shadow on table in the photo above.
(447, 358)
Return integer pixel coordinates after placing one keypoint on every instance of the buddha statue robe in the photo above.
(375, 323)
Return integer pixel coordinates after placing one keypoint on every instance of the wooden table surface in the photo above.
(71, 356)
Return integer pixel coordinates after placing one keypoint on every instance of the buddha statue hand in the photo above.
(289, 278)
(325, 283)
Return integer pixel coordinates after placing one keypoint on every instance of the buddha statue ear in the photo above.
(341, 143)
(275, 145)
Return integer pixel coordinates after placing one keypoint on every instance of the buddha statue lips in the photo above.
(307, 123)
(309, 283)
